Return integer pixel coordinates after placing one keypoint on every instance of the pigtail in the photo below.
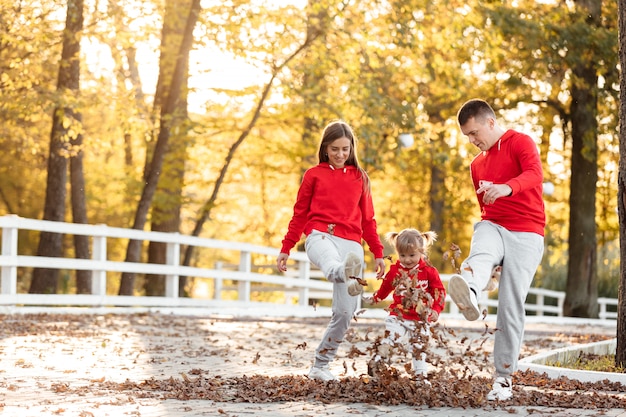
(392, 237)
(429, 238)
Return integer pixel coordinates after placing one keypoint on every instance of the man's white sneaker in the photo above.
(352, 268)
(502, 389)
(321, 374)
(463, 297)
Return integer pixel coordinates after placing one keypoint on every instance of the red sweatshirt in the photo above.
(334, 200)
(513, 160)
(425, 277)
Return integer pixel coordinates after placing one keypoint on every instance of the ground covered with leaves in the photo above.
(130, 357)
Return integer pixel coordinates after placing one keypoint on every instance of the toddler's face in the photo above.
(410, 259)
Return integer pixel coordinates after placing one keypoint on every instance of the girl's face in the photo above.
(410, 259)
(338, 152)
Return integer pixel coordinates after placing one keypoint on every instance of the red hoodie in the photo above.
(334, 200)
(424, 276)
(513, 160)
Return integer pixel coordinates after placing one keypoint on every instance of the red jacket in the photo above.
(513, 160)
(424, 276)
(335, 201)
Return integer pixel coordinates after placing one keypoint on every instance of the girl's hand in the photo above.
(281, 262)
(380, 268)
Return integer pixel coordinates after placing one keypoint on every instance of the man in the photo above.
(507, 177)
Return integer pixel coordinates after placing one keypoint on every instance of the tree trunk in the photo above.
(437, 195)
(64, 122)
(153, 171)
(167, 205)
(79, 211)
(620, 354)
(166, 212)
(581, 294)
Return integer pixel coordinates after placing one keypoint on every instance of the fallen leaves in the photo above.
(388, 388)
(202, 359)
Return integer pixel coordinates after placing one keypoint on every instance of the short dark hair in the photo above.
(475, 108)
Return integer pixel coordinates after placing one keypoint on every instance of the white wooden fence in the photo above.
(302, 281)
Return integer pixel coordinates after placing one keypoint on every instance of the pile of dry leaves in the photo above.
(459, 377)
(391, 388)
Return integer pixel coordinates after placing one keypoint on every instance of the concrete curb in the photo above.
(538, 362)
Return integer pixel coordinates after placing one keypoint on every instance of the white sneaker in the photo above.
(352, 268)
(502, 389)
(463, 297)
(420, 367)
(321, 374)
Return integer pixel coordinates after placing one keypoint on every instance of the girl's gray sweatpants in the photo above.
(520, 254)
(327, 252)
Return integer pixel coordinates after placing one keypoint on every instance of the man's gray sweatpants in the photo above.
(520, 254)
(328, 252)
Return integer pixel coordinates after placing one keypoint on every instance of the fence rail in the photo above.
(302, 283)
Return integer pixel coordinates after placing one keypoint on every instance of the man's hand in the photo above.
(493, 191)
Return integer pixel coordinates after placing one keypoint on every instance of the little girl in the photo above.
(418, 298)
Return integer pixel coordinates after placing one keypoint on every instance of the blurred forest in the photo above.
(200, 117)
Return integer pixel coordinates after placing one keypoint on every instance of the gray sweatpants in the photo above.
(520, 254)
(328, 252)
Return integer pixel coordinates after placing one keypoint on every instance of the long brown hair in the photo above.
(336, 130)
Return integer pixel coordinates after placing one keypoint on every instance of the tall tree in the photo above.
(79, 208)
(166, 208)
(581, 299)
(29, 57)
(153, 170)
(66, 125)
(620, 354)
(552, 56)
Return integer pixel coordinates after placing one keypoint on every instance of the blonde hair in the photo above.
(410, 239)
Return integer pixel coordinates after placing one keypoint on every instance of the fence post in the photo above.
(9, 249)
(245, 265)
(172, 257)
(99, 253)
(217, 282)
(540, 302)
(602, 313)
(304, 273)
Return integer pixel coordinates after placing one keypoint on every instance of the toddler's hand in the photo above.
(433, 316)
